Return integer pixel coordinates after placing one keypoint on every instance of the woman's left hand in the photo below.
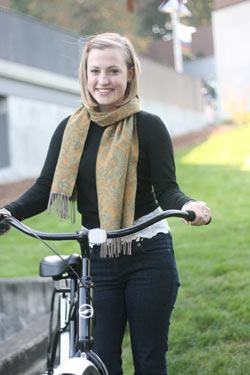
(202, 212)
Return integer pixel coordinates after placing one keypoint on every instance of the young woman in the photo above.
(116, 161)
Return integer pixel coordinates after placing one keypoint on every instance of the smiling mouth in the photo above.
(105, 91)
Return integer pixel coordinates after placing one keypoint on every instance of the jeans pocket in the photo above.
(162, 242)
(176, 285)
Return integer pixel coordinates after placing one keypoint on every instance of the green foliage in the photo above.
(87, 18)
(91, 17)
(20, 255)
(201, 12)
(149, 16)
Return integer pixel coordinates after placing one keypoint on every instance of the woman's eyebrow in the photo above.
(108, 67)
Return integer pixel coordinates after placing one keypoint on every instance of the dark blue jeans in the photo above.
(140, 288)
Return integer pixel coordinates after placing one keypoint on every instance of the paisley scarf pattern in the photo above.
(116, 165)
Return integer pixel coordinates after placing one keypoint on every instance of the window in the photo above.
(4, 134)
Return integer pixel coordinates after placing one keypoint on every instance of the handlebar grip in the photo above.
(4, 226)
(191, 216)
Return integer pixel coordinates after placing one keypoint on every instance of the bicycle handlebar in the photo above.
(85, 233)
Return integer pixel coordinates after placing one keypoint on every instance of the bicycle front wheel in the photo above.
(93, 357)
(77, 366)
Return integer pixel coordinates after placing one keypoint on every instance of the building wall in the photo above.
(30, 125)
(28, 41)
(161, 51)
(231, 39)
(175, 97)
(202, 42)
(201, 47)
(203, 68)
(163, 84)
(35, 101)
(218, 4)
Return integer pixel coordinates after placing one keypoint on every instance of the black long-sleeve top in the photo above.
(156, 179)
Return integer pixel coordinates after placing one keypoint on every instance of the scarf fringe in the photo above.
(114, 247)
(62, 206)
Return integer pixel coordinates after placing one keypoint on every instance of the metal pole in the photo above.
(178, 62)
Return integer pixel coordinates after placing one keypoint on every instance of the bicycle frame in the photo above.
(85, 310)
(85, 316)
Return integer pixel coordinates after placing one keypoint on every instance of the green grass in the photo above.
(210, 328)
(20, 255)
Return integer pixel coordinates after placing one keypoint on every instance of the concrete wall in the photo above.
(231, 30)
(36, 102)
(21, 302)
(31, 124)
(203, 67)
(165, 85)
(26, 40)
(175, 97)
(33, 83)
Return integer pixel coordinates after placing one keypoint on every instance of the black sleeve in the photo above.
(162, 167)
(35, 200)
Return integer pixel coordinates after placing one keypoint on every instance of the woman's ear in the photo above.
(130, 74)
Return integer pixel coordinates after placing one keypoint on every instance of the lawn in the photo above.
(210, 329)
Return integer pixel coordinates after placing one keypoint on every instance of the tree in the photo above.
(201, 12)
(151, 18)
(86, 17)
(137, 19)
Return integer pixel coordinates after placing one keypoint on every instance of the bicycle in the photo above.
(70, 341)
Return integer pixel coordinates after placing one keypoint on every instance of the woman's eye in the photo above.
(114, 71)
(94, 71)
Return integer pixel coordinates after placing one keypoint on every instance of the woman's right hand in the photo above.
(202, 212)
(4, 227)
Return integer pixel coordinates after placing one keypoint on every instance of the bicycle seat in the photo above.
(53, 266)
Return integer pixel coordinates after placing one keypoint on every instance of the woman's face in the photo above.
(107, 77)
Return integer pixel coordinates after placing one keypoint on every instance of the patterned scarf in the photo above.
(116, 165)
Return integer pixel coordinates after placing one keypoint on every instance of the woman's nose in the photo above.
(103, 79)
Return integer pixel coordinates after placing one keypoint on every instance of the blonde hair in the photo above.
(103, 41)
